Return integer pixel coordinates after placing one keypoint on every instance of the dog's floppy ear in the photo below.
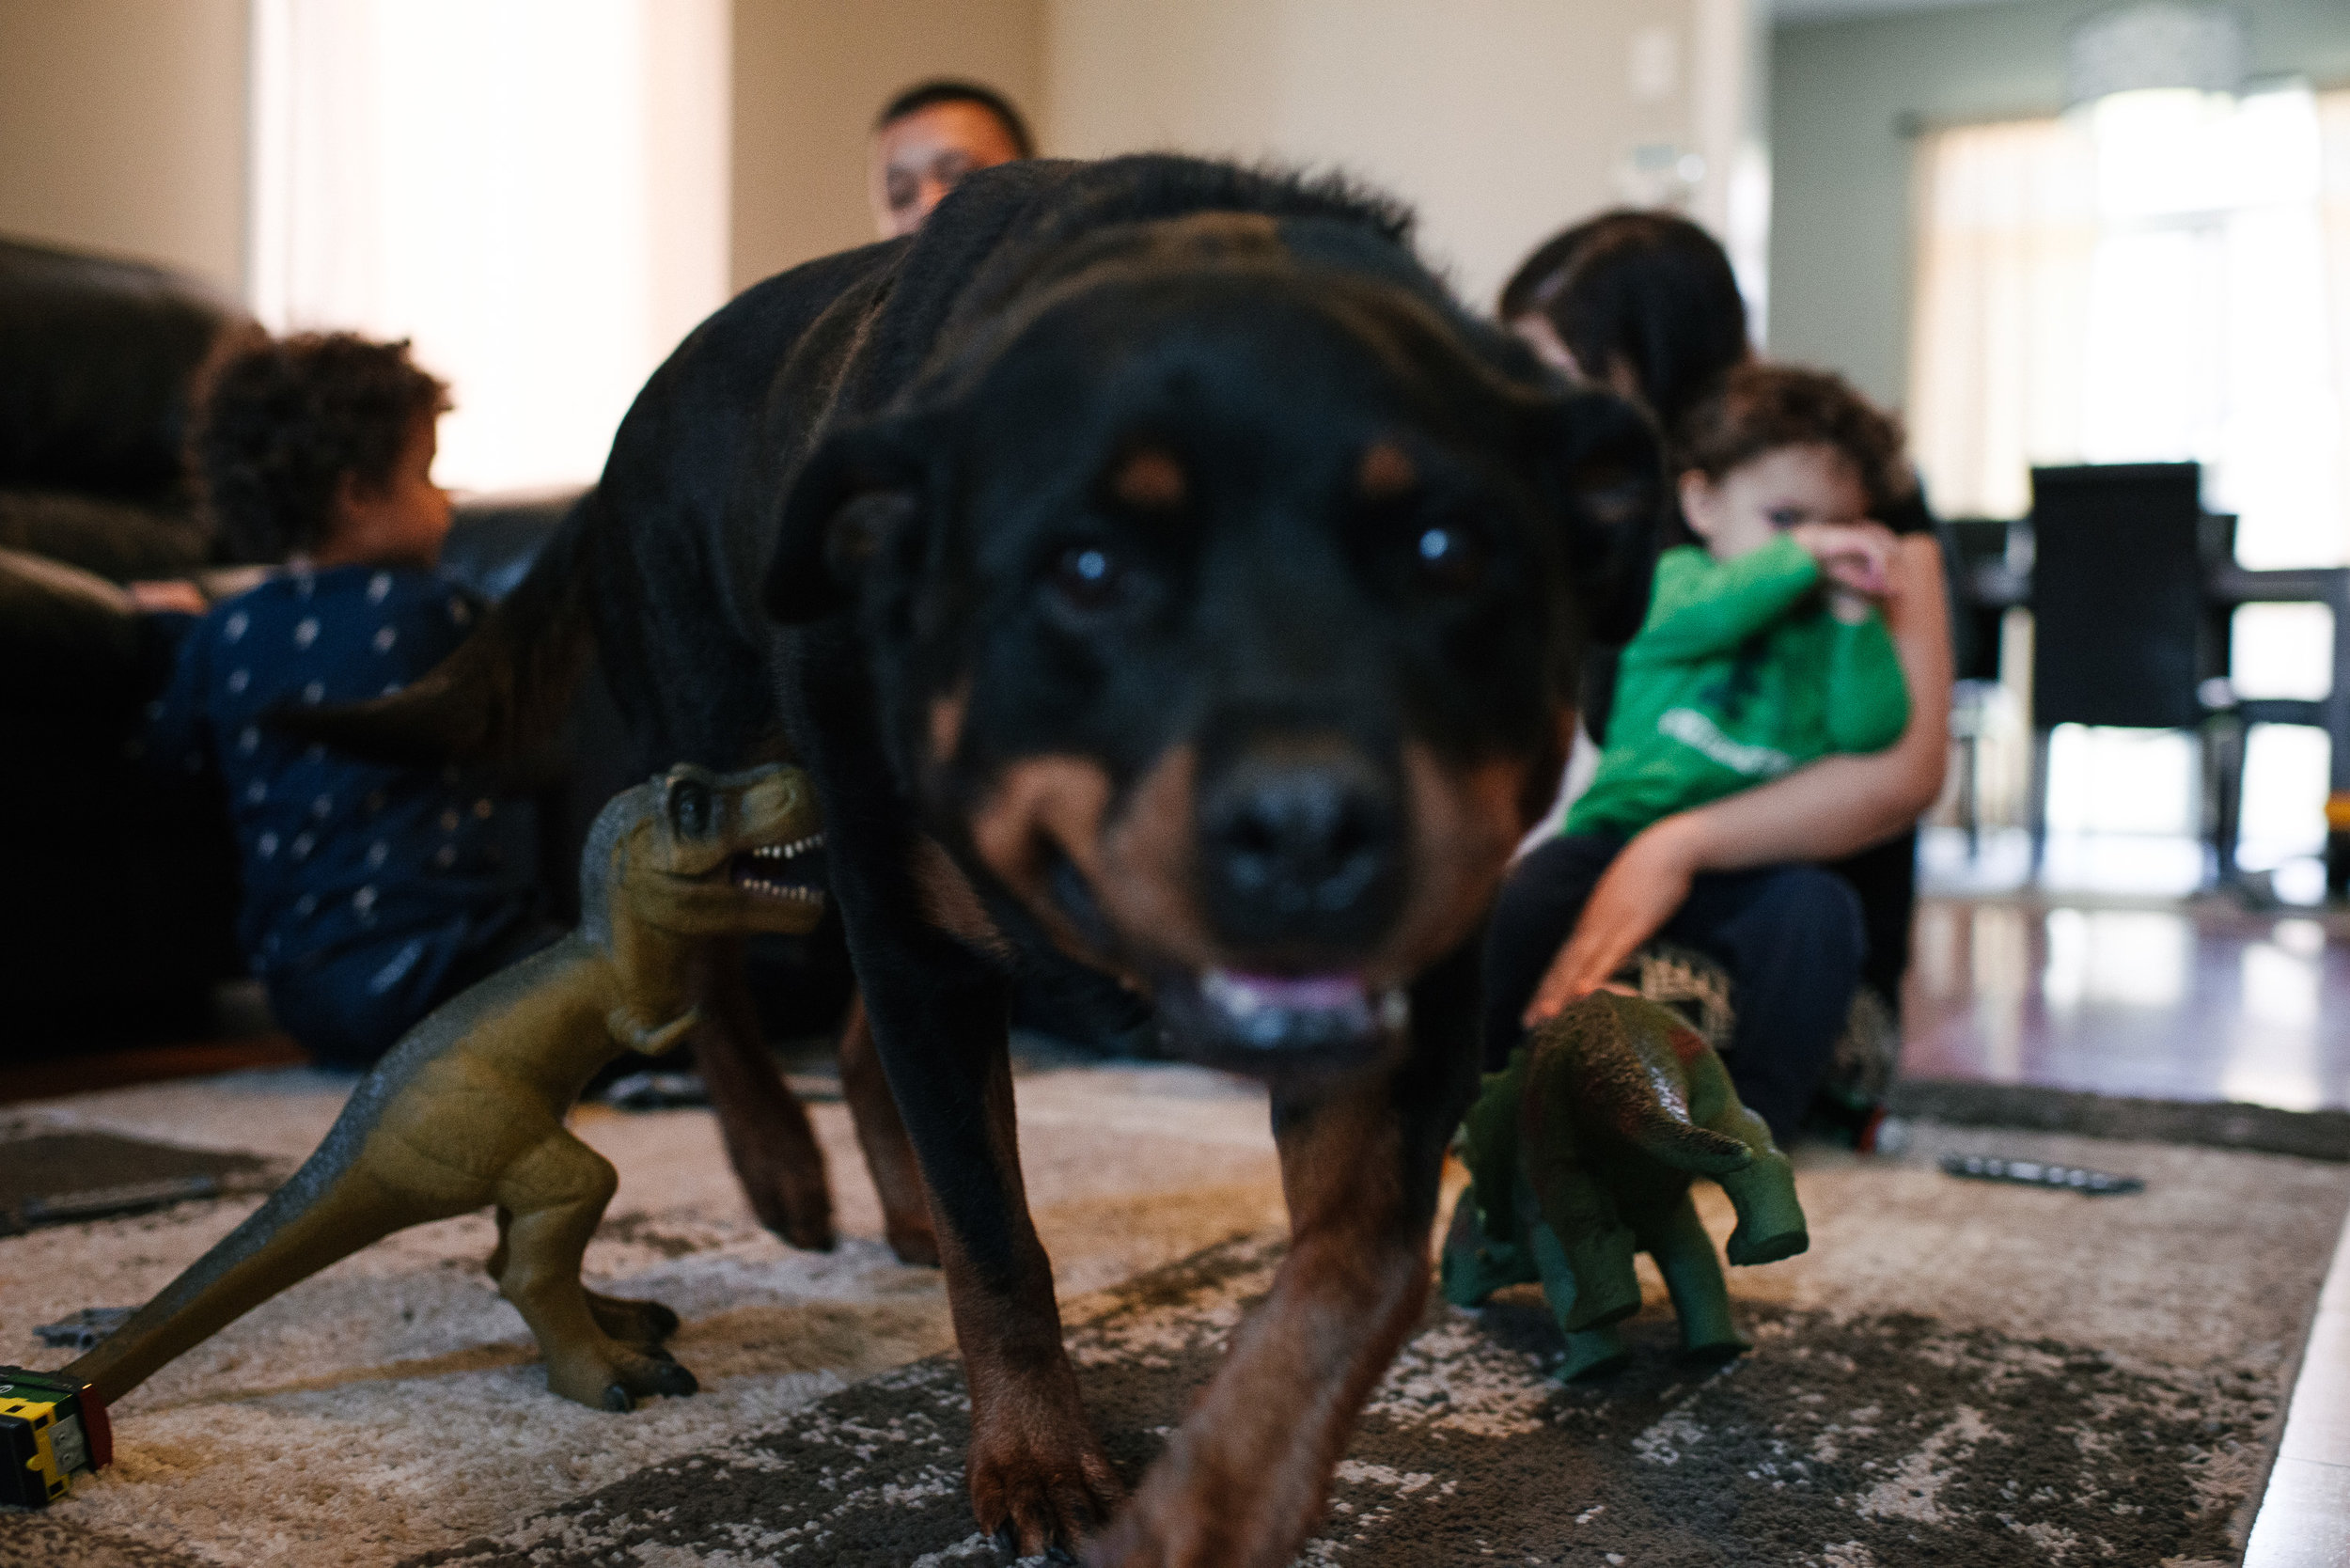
(858, 496)
(1605, 466)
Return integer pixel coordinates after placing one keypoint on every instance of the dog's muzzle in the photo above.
(1282, 1026)
(1301, 853)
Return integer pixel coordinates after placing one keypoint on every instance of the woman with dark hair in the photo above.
(1647, 304)
(1643, 302)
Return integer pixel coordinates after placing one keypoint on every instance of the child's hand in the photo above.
(1855, 557)
(1640, 891)
(172, 594)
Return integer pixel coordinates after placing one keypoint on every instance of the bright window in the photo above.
(2164, 277)
(533, 190)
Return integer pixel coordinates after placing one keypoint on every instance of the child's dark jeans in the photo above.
(1790, 935)
(349, 1010)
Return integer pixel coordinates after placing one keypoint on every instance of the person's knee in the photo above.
(1820, 914)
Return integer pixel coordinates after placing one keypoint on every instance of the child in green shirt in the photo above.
(1764, 649)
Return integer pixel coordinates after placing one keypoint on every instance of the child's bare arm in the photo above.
(1856, 558)
(174, 594)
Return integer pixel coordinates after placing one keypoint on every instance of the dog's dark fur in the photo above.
(1174, 594)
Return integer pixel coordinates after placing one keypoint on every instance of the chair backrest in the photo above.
(2117, 595)
(1969, 544)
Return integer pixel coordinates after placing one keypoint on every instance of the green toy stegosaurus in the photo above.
(1581, 1151)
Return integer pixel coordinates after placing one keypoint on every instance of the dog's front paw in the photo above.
(1202, 1507)
(1179, 1527)
(1042, 1488)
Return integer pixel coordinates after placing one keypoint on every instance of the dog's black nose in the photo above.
(1302, 846)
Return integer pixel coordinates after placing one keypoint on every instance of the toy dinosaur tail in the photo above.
(318, 1218)
(502, 697)
(1630, 1070)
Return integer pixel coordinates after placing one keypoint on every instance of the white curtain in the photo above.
(2333, 137)
(2006, 238)
(535, 191)
(2166, 277)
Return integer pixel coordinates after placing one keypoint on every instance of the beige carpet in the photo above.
(392, 1404)
(389, 1407)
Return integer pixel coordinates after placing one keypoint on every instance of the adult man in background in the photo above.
(930, 137)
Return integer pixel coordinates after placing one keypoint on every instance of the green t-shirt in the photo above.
(1740, 674)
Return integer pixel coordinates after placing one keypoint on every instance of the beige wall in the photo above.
(1845, 90)
(809, 77)
(122, 122)
(122, 129)
(1500, 121)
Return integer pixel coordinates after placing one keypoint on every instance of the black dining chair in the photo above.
(1974, 550)
(2124, 631)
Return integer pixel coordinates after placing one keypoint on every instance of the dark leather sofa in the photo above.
(118, 892)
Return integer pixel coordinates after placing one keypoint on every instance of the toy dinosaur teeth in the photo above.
(791, 891)
(791, 850)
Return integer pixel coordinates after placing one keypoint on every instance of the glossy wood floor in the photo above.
(2192, 1000)
(2175, 998)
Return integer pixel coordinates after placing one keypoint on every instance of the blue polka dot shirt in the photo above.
(339, 854)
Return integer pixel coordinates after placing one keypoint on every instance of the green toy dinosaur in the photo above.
(467, 1109)
(1580, 1152)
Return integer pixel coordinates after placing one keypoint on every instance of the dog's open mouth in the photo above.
(790, 873)
(1281, 1025)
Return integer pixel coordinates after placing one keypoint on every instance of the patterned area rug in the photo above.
(1884, 1439)
(1957, 1374)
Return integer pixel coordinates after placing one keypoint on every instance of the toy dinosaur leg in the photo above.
(1590, 1242)
(1594, 1352)
(1473, 1265)
(1770, 1218)
(640, 1323)
(888, 1153)
(1590, 1350)
(768, 1138)
(1693, 1277)
(555, 1193)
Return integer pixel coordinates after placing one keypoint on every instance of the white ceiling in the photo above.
(1821, 10)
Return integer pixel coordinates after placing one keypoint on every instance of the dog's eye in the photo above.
(690, 808)
(1450, 556)
(1088, 577)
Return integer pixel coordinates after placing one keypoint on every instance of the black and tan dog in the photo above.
(1173, 594)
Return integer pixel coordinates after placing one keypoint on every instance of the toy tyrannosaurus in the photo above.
(1580, 1152)
(467, 1109)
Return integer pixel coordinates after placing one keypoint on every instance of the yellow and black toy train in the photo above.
(51, 1430)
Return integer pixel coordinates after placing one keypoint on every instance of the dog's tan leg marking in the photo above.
(1385, 473)
(947, 716)
(1149, 480)
(882, 1134)
(1037, 1477)
(765, 1130)
(1244, 1479)
(951, 904)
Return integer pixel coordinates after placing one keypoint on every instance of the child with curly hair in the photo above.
(370, 893)
(1764, 649)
